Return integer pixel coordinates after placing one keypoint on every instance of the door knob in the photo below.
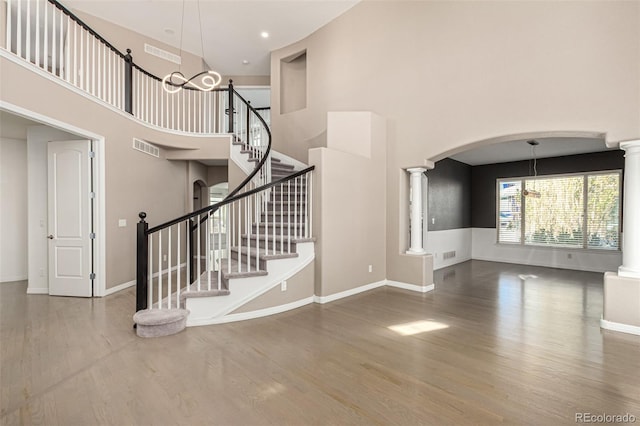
(50, 237)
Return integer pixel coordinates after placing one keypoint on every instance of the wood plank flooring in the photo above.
(501, 349)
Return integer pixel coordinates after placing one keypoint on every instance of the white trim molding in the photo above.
(622, 328)
(13, 278)
(37, 290)
(367, 287)
(119, 287)
(412, 287)
(131, 283)
(243, 316)
(347, 293)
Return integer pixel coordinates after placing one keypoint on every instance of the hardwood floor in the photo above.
(489, 348)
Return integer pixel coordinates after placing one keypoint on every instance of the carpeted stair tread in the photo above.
(204, 293)
(263, 253)
(160, 322)
(284, 238)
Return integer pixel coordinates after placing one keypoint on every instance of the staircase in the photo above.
(257, 237)
(198, 268)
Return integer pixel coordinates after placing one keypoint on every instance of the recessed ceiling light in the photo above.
(264, 34)
(245, 62)
(169, 31)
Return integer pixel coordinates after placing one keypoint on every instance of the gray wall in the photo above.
(449, 195)
(483, 178)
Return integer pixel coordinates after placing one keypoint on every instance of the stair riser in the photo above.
(280, 230)
(284, 208)
(279, 246)
(286, 197)
(262, 264)
(282, 167)
(283, 219)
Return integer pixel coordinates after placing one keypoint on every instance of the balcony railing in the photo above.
(46, 34)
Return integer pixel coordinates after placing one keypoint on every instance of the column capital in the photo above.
(631, 145)
(413, 170)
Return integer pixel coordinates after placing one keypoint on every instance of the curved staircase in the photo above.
(257, 237)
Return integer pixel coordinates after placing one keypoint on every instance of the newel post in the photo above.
(231, 107)
(142, 259)
(128, 81)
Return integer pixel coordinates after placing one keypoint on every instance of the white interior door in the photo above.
(69, 220)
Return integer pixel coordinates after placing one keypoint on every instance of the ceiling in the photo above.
(231, 29)
(518, 150)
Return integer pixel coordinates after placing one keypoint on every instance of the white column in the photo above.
(631, 211)
(416, 210)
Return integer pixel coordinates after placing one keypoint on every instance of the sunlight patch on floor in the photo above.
(417, 327)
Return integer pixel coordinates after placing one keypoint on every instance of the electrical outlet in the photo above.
(164, 257)
(283, 285)
(569, 256)
(370, 268)
(433, 220)
(42, 272)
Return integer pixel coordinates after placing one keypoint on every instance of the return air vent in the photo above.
(156, 51)
(448, 255)
(146, 147)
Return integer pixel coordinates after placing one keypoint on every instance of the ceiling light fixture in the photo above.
(532, 192)
(204, 81)
(264, 34)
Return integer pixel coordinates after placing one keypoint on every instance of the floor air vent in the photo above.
(146, 147)
(448, 255)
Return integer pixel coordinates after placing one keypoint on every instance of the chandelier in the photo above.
(204, 81)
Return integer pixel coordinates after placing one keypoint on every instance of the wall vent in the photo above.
(168, 56)
(146, 147)
(448, 254)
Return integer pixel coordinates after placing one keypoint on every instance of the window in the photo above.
(578, 210)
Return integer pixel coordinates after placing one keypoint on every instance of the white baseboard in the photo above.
(119, 287)
(37, 291)
(347, 293)
(131, 283)
(13, 278)
(367, 287)
(243, 316)
(412, 287)
(616, 326)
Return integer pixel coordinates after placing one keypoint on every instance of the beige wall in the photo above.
(350, 203)
(3, 21)
(248, 80)
(447, 74)
(13, 214)
(122, 39)
(299, 286)
(217, 174)
(134, 181)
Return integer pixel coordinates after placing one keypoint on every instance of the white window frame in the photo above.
(585, 200)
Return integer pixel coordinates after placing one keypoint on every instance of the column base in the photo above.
(621, 303)
(416, 252)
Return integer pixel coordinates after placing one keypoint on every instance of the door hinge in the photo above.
(92, 154)
(92, 236)
(92, 276)
(92, 195)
